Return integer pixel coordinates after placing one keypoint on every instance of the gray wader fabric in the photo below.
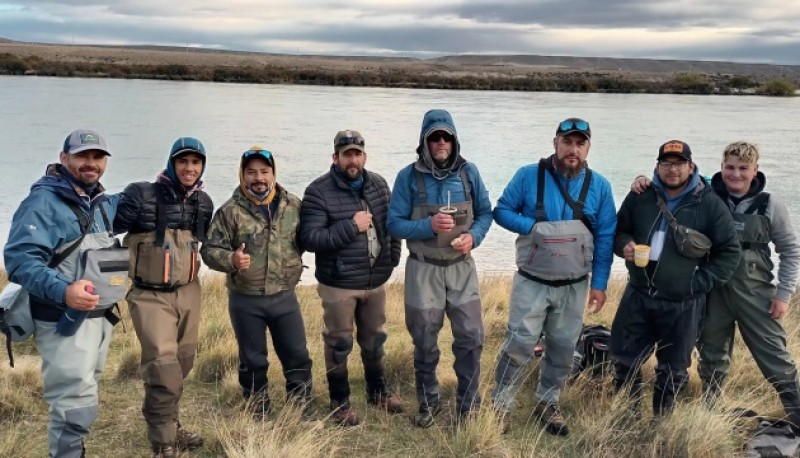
(745, 301)
(167, 324)
(536, 308)
(71, 369)
(431, 292)
(251, 316)
(342, 308)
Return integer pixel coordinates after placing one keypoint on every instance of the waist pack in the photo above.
(689, 242)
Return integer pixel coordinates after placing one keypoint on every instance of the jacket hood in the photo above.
(432, 121)
(260, 153)
(185, 145)
(756, 186)
(55, 181)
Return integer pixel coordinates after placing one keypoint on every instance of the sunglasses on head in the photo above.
(439, 135)
(344, 141)
(257, 152)
(571, 124)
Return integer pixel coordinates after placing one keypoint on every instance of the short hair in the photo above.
(744, 151)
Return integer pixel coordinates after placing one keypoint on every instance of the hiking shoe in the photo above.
(427, 412)
(164, 451)
(261, 409)
(344, 413)
(386, 401)
(187, 440)
(551, 418)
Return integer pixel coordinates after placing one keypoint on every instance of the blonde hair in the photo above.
(744, 151)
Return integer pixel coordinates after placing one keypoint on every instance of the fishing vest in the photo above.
(753, 227)
(438, 250)
(557, 252)
(164, 259)
(98, 258)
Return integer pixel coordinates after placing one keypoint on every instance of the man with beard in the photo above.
(343, 221)
(253, 239)
(664, 301)
(441, 207)
(65, 214)
(565, 216)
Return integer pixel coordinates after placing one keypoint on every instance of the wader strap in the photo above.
(759, 205)
(202, 224)
(555, 283)
(106, 221)
(423, 193)
(577, 207)
(85, 224)
(161, 214)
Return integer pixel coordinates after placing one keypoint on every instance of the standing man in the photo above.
(440, 272)
(664, 301)
(65, 214)
(165, 221)
(343, 221)
(565, 216)
(253, 239)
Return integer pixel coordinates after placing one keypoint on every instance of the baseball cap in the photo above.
(83, 140)
(574, 125)
(675, 148)
(348, 139)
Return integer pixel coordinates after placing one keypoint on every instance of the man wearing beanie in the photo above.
(343, 221)
(441, 277)
(661, 308)
(65, 214)
(165, 221)
(253, 239)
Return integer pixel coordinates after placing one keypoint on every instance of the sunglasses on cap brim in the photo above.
(571, 124)
(345, 141)
(257, 153)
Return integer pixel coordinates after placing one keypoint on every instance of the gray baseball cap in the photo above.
(84, 140)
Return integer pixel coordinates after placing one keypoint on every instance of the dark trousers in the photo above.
(670, 328)
(251, 316)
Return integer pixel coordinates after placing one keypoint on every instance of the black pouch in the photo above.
(691, 243)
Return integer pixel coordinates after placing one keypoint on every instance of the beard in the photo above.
(567, 170)
(260, 189)
(352, 173)
(673, 187)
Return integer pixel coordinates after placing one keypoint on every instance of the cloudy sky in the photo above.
(735, 30)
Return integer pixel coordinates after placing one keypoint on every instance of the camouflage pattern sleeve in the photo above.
(217, 250)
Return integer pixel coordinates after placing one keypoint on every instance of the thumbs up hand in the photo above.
(241, 260)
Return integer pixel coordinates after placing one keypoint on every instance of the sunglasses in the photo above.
(344, 141)
(257, 152)
(439, 135)
(571, 124)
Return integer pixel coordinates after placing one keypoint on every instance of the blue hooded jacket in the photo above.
(438, 181)
(44, 222)
(516, 210)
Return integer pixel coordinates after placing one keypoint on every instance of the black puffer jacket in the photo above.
(136, 212)
(328, 230)
(677, 277)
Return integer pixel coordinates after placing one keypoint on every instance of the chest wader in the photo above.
(438, 251)
(557, 253)
(164, 259)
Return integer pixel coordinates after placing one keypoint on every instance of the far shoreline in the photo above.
(496, 73)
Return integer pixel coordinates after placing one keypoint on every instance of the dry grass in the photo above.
(600, 421)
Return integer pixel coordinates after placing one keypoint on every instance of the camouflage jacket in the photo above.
(275, 263)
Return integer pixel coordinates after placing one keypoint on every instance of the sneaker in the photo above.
(551, 418)
(427, 412)
(164, 451)
(386, 401)
(343, 413)
(187, 440)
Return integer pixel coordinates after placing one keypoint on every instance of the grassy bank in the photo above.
(212, 402)
(399, 73)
